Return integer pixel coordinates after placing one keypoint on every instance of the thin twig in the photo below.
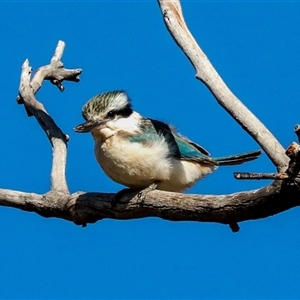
(273, 176)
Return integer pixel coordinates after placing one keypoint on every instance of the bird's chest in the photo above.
(130, 163)
(114, 154)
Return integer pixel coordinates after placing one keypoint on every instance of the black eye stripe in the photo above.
(124, 112)
(111, 114)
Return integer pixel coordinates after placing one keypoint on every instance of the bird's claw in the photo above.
(142, 194)
(119, 195)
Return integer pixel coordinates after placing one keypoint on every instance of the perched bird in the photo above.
(139, 152)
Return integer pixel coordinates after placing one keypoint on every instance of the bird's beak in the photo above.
(88, 126)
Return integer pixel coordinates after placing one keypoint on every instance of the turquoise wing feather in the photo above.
(183, 148)
(180, 147)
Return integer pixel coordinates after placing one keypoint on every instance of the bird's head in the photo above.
(104, 108)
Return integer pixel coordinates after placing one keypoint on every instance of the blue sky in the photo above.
(125, 45)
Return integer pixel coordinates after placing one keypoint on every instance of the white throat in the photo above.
(127, 126)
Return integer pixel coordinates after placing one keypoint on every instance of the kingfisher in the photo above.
(140, 152)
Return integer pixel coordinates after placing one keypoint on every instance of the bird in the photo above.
(143, 153)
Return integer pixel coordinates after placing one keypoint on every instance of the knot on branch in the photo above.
(293, 171)
(297, 131)
(58, 75)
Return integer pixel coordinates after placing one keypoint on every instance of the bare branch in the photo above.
(56, 73)
(273, 176)
(58, 52)
(205, 72)
(83, 208)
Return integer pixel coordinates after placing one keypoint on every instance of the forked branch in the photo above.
(27, 90)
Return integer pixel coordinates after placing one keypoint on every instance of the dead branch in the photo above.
(272, 176)
(175, 23)
(27, 90)
(82, 208)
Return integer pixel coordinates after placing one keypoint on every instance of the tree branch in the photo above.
(56, 73)
(273, 176)
(83, 208)
(175, 23)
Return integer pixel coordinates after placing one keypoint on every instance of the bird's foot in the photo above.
(142, 194)
(119, 195)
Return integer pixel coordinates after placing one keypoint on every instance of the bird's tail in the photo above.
(237, 158)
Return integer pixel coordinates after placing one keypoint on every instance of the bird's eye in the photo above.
(111, 114)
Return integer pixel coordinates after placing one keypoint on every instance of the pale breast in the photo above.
(133, 164)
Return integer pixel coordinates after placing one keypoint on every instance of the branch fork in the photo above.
(27, 90)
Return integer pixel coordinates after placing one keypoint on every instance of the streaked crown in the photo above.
(110, 104)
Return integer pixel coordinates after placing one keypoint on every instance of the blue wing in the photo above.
(180, 147)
